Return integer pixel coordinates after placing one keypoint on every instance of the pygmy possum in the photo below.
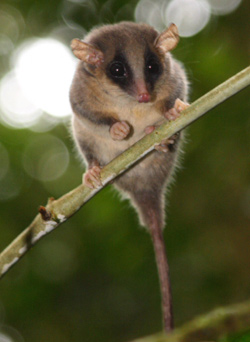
(126, 84)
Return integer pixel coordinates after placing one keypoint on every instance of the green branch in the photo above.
(58, 211)
(218, 324)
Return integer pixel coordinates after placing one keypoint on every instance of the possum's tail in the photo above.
(151, 212)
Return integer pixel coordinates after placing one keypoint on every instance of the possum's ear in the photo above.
(168, 39)
(87, 52)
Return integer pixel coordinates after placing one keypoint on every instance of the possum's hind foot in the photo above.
(167, 145)
(92, 177)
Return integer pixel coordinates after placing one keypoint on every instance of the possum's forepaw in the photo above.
(119, 130)
(92, 177)
(175, 112)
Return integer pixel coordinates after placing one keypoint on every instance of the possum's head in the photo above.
(131, 57)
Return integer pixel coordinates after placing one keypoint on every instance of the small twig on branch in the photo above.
(46, 215)
(58, 211)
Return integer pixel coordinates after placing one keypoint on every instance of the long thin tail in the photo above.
(150, 206)
(163, 271)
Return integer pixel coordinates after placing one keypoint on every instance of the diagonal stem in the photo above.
(66, 206)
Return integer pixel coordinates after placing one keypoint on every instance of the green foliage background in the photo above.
(94, 278)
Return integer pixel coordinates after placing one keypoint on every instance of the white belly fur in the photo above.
(105, 148)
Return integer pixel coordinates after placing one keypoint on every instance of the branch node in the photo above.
(51, 200)
(46, 215)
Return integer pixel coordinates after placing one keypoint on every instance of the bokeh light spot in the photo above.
(45, 123)
(9, 25)
(46, 158)
(10, 185)
(4, 338)
(190, 16)
(17, 110)
(6, 44)
(144, 10)
(9, 334)
(44, 69)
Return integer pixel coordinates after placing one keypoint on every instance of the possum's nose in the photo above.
(144, 97)
(142, 94)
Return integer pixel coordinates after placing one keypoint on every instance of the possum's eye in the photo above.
(118, 70)
(153, 66)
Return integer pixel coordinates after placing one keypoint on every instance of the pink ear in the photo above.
(87, 52)
(168, 39)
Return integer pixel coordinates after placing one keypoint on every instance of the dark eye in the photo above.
(153, 66)
(118, 70)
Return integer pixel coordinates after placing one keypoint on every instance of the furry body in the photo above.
(126, 74)
(98, 102)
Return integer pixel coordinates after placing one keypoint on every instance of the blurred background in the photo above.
(94, 278)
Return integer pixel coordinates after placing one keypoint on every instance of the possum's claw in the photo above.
(149, 129)
(92, 177)
(171, 114)
(119, 130)
(166, 144)
(175, 112)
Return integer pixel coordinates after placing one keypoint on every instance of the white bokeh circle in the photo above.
(190, 16)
